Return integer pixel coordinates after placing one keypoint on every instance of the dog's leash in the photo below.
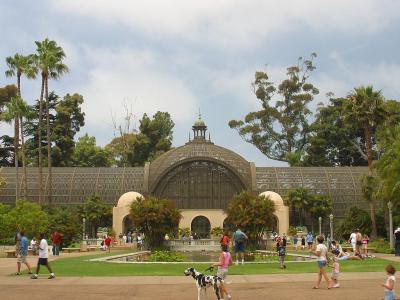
(209, 269)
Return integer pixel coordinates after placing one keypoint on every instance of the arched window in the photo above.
(199, 184)
(201, 226)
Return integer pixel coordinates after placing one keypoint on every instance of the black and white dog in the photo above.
(205, 281)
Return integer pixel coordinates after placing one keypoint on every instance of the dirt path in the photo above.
(251, 287)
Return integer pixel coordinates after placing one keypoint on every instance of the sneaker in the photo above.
(229, 297)
(52, 276)
(34, 276)
(336, 285)
(18, 273)
(30, 273)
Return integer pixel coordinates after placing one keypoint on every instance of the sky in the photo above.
(181, 56)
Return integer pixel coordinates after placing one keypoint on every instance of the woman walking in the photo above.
(321, 252)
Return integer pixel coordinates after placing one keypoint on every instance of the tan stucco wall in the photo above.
(119, 213)
(215, 216)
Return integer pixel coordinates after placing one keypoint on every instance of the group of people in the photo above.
(359, 243)
(22, 253)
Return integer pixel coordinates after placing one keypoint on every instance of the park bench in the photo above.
(92, 248)
(70, 250)
(10, 253)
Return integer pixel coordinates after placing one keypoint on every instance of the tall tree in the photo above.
(19, 110)
(366, 108)
(6, 151)
(6, 93)
(19, 65)
(155, 217)
(253, 214)
(68, 122)
(96, 212)
(280, 129)
(49, 60)
(88, 154)
(333, 140)
(137, 148)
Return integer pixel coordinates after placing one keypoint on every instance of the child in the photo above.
(281, 252)
(303, 242)
(225, 260)
(335, 272)
(389, 285)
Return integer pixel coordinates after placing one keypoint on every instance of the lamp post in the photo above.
(320, 221)
(331, 225)
(390, 206)
(83, 228)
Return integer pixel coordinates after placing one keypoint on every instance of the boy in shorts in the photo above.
(22, 253)
(43, 258)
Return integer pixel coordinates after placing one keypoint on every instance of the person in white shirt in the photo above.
(321, 252)
(43, 258)
(389, 284)
(352, 241)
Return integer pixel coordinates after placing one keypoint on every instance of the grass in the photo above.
(79, 266)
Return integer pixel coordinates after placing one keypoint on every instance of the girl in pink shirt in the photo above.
(335, 272)
(225, 260)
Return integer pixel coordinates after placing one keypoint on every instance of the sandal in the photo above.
(315, 288)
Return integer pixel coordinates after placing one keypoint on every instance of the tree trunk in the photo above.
(25, 182)
(16, 141)
(40, 179)
(372, 204)
(50, 181)
(16, 157)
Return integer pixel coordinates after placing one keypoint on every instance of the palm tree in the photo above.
(17, 66)
(18, 109)
(49, 59)
(366, 108)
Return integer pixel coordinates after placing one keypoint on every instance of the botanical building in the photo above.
(200, 177)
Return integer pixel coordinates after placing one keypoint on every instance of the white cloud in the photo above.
(134, 77)
(240, 24)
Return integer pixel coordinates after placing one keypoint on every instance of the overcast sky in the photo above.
(179, 56)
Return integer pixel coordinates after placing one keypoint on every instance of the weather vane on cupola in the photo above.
(199, 130)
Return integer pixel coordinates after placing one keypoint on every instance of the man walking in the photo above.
(309, 239)
(43, 258)
(22, 254)
(239, 238)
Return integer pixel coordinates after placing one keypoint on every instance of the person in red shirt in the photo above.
(107, 242)
(225, 240)
(56, 239)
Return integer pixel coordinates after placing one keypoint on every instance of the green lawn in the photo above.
(79, 266)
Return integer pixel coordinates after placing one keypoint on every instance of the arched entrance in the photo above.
(201, 226)
(127, 224)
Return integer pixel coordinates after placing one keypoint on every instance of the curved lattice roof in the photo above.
(199, 150)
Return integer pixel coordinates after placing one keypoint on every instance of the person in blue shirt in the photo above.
(309, 240)
(22, 254)
(239, 238)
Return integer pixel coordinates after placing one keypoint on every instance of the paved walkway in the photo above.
(243, 287)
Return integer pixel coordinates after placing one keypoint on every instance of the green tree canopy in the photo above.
(88, 154)
(280, 129)
(69, 120)
(137, 148)
(253, 214)
(355, 218)
(97, 213)
(6, 93)
(29, 217)
(155, 217)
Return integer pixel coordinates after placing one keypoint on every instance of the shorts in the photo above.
(321, 264)
(358, 243)
(42, 261)
(309, 243)
(389, 295)
(239, 247)
(221, 273)
(21, 259)
(335, 276)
